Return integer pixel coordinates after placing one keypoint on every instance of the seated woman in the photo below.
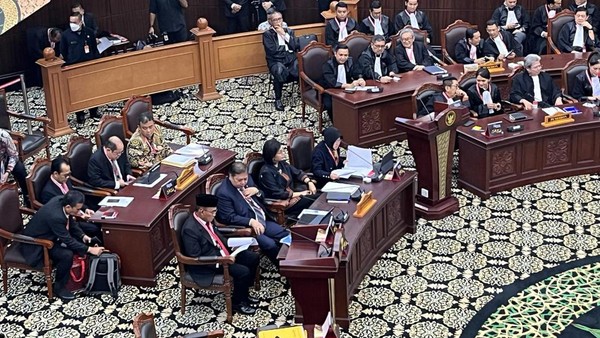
(278, 179)
(587, 84)
(484, 96)
(326, 157)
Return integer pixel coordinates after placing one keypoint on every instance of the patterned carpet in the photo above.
(428, 285)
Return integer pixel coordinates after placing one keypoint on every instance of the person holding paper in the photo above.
(376, 62)
(326, 157)
(410, 16)
(587, 84)
(107, 168)
(376, 23)
(534, 85)
(484, 96)
(578, 35)
(539, 25)
(512, 18)
(500, 44)
(470, 49)
(411, 54)
(338, 28)
(279, 180)
(147, 145)
(199, 239)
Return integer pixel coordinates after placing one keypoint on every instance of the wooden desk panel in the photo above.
(141, 235)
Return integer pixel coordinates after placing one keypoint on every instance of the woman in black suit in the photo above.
(326, 157)
(484, 96)
(587, 84)
(281, 181)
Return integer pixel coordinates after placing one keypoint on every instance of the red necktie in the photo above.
(64, 188)
(217, 239)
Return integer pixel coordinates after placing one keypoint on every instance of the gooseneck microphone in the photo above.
(426, 109)
(325, 253)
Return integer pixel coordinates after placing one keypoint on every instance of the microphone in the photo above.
(427, 110)
(341, 217)
(540, 103)
(324, 253)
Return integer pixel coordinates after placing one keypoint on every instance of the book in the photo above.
(434, 70)
(516, 116)
(338, 197)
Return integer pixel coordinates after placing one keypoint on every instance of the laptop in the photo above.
(386, 164)
(151, 175)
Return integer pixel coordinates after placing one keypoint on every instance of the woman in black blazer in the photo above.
(326, 157)
(583, 88)
(281, 181)
(477, 92)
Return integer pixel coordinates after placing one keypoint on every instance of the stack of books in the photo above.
(338, 197)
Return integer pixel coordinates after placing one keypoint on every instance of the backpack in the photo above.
(104, 274)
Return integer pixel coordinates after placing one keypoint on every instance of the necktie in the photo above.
(343, 32)
(116, 172)
(595, 86)
(341, 76)
(377, 68)
(258, 211)
(413, 21)
(473, 52)
(217, 239)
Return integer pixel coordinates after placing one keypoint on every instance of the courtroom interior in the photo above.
(165, 130)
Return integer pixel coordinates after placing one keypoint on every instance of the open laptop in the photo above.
(151, 175)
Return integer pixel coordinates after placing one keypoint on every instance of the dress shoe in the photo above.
(94, 113)
(253, 300)
(279, 105)
(244, 309)
(64, 294)
(80, 117)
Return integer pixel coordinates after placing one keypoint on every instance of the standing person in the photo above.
(276, 5)
(78, 44)
(539, 25)
(237, 13)
(534, 85)
(410, 16)
(171, 20)
(9, 163)
(88, 19)
(484, 96)
(376, 23)
(38, 39)
(326, 157)
(513, 18)
(338, 28)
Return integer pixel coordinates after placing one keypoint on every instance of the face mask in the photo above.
(74, 27)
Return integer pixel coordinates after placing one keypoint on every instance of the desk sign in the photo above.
(494, 130)
(557, 119)
(167, 189)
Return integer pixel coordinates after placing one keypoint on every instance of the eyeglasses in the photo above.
(379, 46)
(213, 211)
(407, 39)
(277, 19)
(117, 152)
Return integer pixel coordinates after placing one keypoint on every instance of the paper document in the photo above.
(240, 249)
(116, 201)
(360, 160)
(552, 110)
(104, 44)
(177, 160)
(343, 173)
(160, 178)
(340, 187)
(286, 240)
(192, 149)
(235, 242)
(364, 88)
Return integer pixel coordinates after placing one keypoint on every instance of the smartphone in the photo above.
(469, 123)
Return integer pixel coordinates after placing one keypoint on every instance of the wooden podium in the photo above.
(431, 140)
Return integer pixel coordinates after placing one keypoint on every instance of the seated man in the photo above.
(147, 145)
(592, 11)
(58, 185)
(587, 83)
(376, 62)
(500, 44)
(54, 222)
(411, 54)
(9, 163)
(240, 203)
(534, 85)
(376, 23)
(280, 49)
(107, 168)
(414, 18)
(266, 25)
(452, 94)
(338, 28)
(201, 240)
(539, 25)
(337, 73)
(512, 18)
(470, 49)
(578, 35)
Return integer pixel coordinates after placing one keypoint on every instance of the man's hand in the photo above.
(86, 239)
(334, 176)
(250, 191)
(558, 101)
(312, 188)
(122, 183)
(4, 177)
(266, 5)
(587, 25)
(526, 104)
(511, 55)
(279, 29)
(151, 30)
(491, 105)
(95, 250)
(419, 67)
(235, 8)
(259, 229)
(510, 26)
(360, 82)
(385, 79)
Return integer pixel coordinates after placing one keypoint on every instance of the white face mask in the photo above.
(74, 27)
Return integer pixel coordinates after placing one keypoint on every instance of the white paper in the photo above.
(552, 110)
(192, 149)
(326, 324)
(104, 44)
(339, 187)
(487, 98)
(364, 88)
(116, 201)
(178, 160)
(160, 178)
(235, 242)
(240, 249)
(343, 173)
(360, 160)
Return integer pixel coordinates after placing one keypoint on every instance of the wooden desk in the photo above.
(140, 234)
(367, 119)
(487, 166)
(368, 238)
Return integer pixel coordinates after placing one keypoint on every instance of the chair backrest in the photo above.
(571, 70)
(143, 326)
(131, 112)
(254, 162)
(213, 182)
(110, 126)
(305, 40)
(357, 42)
(467, 80)
(4, 118)
(178, 214)
(450, 37)
(517, 70)
(300, 144)
(79, 151)
(422, 95)
(312, 58)
(9, 209)
(39, 175)
(554, 26)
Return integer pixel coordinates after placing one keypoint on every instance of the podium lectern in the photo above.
(431, 140)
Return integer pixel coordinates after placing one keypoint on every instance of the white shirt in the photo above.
(341, 76)
(411, 55)
(500, 45)
(377, 26)
(473, 52)
(413, 21)
(537, 90)
(377, 68)
(595, 86)
(512, 18)
(283, 39)
(578, 39)
(343, 31)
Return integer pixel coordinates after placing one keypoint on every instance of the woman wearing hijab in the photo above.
(281, 181)
(326, 157)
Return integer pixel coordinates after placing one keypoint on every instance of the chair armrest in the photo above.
(16, 135)
(186, 130)
(27, 211)
(277, 204)
(42, 119)
(205, 260)
(312, 83)
(237, 231)
(26, 239)
(88, 190)
(569, 98)
(512, 106)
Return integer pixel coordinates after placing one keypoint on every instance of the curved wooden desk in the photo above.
(536, 154)
(140, 234)
(368, 238)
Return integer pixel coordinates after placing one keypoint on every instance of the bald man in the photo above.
(107, 168)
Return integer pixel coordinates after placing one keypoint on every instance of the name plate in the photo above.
(167, 189)
(557, 119)
(494, 130)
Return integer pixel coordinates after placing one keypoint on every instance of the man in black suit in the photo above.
(470, 49)
(237, 13)
(411, 54)
(280, 46)
(539, 25)
(240, 203)
(337, 73)
(171, 20)
(276, 5)
(592, 11)
(534, 85)
(107, 168)
(55, 222)
(88, 18)
(376, 23)
(452, 94)
(58, 185)
(338, 28)
(577, 35)
(512, 18)
(39, 38)
(500, 44)
(410, 16)
(376, 62)
(201, 240)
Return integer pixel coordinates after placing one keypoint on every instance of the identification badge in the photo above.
(86, 49)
